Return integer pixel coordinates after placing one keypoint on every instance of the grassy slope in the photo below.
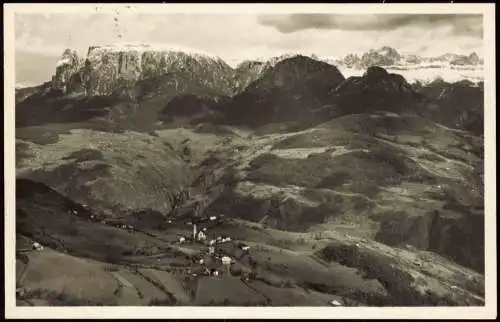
(272, 166)
(106, 170)
(375, 183)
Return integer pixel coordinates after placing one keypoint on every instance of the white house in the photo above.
(212, 218)
(212, 242)
(226, 260)
(202, 261)
(245, 248)
(202, 236)
(182, 239)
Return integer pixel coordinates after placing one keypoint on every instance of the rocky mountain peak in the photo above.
(107, 68)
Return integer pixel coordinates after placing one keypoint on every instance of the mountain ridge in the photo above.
(106, 68)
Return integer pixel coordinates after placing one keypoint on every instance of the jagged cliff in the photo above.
(387, 56)
(109, 68)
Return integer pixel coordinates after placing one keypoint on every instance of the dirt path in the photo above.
(121, 280)
(263, 219)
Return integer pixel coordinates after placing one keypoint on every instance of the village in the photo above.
(213, 256)
(212, 253)
(207, 251)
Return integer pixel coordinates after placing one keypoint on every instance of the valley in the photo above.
(363, 190)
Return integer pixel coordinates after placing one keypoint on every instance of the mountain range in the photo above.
(387, 56)
(302, 160)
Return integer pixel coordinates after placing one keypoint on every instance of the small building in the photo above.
(201, 261)
(226, 262)
(212, 218)
(182, 239)
(244, 247)
(335, 303)
(201, 236)
(211, 250)
(37, 246)
(212, 242)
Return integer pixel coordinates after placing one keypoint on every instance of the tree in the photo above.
(175, 200)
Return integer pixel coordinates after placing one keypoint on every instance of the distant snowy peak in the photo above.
(450, 67)
(387, 56)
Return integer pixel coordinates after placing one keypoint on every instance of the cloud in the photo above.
(460, 24)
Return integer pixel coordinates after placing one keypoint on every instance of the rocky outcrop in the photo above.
(67, 67)
(376, 90)
(472, 59)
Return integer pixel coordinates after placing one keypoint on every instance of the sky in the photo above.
(40, 39)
